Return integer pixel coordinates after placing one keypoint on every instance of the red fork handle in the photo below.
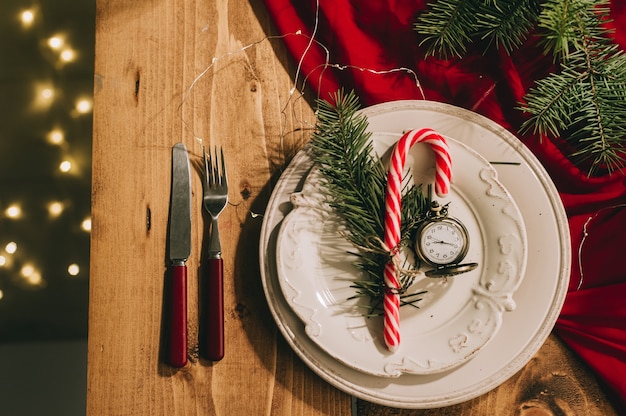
(215, 309)
(177, 354)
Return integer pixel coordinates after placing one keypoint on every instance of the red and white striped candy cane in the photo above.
(393, 208)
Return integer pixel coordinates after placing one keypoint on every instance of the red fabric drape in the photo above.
(366, 38)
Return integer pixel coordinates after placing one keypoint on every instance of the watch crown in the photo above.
(438, 210)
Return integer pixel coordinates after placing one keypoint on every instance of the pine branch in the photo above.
(566, 25)
(354, 181)
(449, 27)
(586, 103)
(506, 23)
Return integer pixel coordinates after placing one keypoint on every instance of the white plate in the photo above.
(456, 317)
(539, 297)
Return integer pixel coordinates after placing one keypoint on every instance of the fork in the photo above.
(214, 199)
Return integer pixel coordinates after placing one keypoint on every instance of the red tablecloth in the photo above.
(377, 35)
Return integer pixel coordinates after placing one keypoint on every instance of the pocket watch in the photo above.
(442, 241)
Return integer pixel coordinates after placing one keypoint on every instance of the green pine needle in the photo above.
(355, 181)
(449, 27)
(584, 102)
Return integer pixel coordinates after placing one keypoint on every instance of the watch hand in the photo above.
(443, 242)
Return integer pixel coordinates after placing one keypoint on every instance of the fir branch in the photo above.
(565, 26)
(354, 181)
(506, 23)
(449, 27)
(585, 104)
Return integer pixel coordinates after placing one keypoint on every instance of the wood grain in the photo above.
(554, 382)
(148, 55)
(203, 72)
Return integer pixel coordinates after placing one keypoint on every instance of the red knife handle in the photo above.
(215, 309)
(178, 317)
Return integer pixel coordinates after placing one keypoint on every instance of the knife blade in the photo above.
(179, 242)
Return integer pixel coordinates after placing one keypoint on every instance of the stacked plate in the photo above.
(471, 332)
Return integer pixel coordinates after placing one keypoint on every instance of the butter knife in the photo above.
(179, 241)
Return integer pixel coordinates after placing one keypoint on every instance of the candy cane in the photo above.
(393, 211)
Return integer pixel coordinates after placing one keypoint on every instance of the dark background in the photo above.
(43, 321)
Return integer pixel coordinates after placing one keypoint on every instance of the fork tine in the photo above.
(216, 171)
(207, 172)
(223, 178)
(214, 168)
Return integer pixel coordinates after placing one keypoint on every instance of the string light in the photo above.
(27, 17)
(47, 93)
(84, 105)
(35, 279)
(11, 247)
(44, 95)
(67, 55)
(55, 209)
(27, 270)
(55, 42)
(6, 261)
(1, 294)
(311, 41)
(56, 50)
(65, 166)
(31, 275)
(86, 224)
(14, 211)
(73, 269)
(56, 136)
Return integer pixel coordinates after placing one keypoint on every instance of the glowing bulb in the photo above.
(55, 209)
(86, 224)
(55, 42)
(67, 55)
(27, 17)
(73, 269)
(11, 247)
(65, 166)
(31, 274)
(27, 270)
(3, 261)
(56, 136)
(44, 95)
(1, 294)
(34, 279)
(14, 211)
(83, 106)
(47, 93)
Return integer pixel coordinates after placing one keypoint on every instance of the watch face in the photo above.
(442, 242)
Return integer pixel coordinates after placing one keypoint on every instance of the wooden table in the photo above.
(149, 95)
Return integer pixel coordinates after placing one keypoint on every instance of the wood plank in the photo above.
(148, 55)
(554, 382)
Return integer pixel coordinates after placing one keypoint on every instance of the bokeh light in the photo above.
(11, 247)
(27, 17)
(73, 269)
(86, 224)
(84, 105)
(56, 136)
(65, 166)
(55, 208)
(55, 42)
(13, 211)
